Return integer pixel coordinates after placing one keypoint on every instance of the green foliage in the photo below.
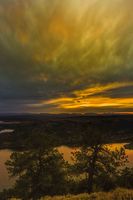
(125, 179)
(98, 165)
(6, 193)
(39, 171)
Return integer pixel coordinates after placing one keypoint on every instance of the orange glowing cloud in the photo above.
(100, 88)
(93, 97)
(99, 102)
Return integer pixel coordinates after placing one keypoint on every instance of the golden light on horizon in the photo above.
(100, 102)
(92, 97)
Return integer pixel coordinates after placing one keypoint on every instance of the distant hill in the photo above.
(41, 116)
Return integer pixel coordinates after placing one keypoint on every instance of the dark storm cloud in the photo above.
(51, 48)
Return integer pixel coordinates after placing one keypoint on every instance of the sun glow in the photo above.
(94, 97)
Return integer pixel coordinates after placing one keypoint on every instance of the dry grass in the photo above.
(119, 194)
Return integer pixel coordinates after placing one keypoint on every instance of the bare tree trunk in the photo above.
(92, 168)
(90, 182)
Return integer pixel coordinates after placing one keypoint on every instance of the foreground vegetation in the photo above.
(40, 170)
(118, 194)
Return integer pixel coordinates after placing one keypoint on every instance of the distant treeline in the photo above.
(66, 129)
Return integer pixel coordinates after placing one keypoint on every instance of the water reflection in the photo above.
(67, 152)
(9, 122)
(129, 152)
(6, 131)
(5, 182)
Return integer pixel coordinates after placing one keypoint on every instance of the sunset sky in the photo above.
(60, 56)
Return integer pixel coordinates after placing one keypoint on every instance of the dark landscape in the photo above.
(66, 128)
(33, 134)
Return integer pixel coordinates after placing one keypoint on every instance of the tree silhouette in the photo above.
(97, 159)
(40, 171)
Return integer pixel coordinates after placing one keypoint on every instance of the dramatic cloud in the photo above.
(66, 56)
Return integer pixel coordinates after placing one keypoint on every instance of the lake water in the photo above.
(6, 131)
(67, 152)
(6, 182)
